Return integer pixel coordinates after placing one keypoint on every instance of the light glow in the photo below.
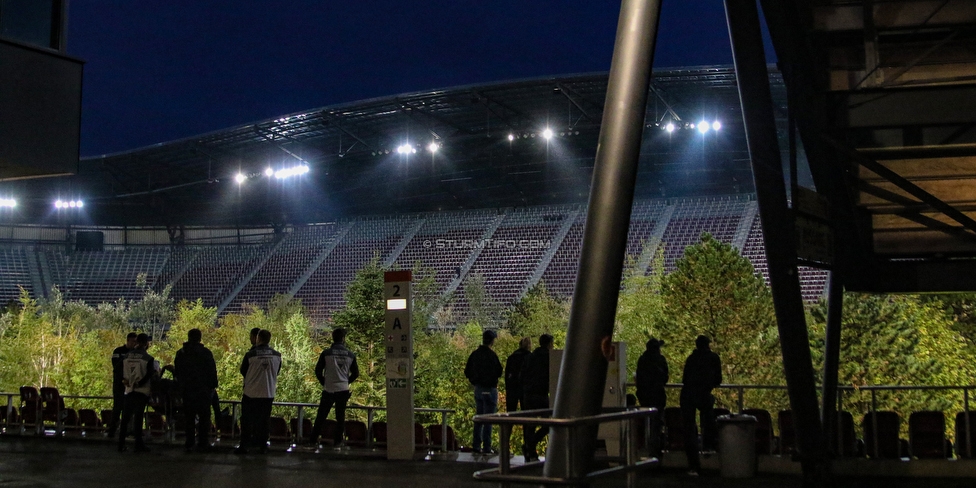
(8, 202)
(703, 127)
(269, 172)
(240, 178)
(669, 127)
(293, 171)
(396, 304)
(716, 126)
(547, 134)
(406, 149)
(511, 137)
(433, 147)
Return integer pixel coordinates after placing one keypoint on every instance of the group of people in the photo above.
(136, 372)
(527, 386)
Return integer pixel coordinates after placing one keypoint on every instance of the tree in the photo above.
(484, 309)
(715, 291)
(640, 309)
(537, 313)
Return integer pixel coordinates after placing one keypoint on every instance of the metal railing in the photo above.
(298, 435)
(629, 462)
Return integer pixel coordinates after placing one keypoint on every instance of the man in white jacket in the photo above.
(336, 369)
(260, 369)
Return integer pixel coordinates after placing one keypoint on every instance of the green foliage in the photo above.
(715, 291)
(537, 313)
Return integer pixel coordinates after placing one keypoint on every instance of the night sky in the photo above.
(162, 70)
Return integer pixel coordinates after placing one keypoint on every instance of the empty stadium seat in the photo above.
(356, 434)
(435, 434)
(306, 430)
(30, 408)
(379, 434)
(926, 435)
(89, 422)
(674, 428)
(278, 430)
(887, 444)
(764, 429)
(965, 445)
(787, 434)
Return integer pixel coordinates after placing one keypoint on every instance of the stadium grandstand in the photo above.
(489, 180)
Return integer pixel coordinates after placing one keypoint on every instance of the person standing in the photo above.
(118, 389)
(483, 370)
(139, 370)
(335, 370)
(702, 373)
(196, 373)
(513, 376)
(260, 368)
(245, 400)
(535, 385)
(651, 376)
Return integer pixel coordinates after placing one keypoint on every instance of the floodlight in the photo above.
(669, 127)
(433, 147)
(703, 127)
(81, 204)
(547, 133)
(406, 149)
(240, 178)
(269, 172)
(8, 202)
(716, 125)
(58, 204)
(293, 171)
(511, 137)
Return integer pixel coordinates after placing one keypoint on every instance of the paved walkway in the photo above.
(34, 462)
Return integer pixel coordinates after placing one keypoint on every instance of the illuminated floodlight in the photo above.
(293, 171)
(269, 172)
(433, 147)
(72, 204)
(511, 137)
(8, 202)
(547, 134)
(716, 126)
(669, 127)
(240, 178)
(703, 127)
(406, 149)
(58, 204)
(81, 204)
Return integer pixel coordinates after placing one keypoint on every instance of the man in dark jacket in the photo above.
(118, 389)
(535, 385)
(196, 373)
(335, 370)
(260, 368)
(139, 370)
(483, 370)
(513, 376)
(652, 374)
(702, 373)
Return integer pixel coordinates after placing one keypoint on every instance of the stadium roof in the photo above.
(355, 168)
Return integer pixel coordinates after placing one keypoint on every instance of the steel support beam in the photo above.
(583, 371)
(835, 311)
(767, 168)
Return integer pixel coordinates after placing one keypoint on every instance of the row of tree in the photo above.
(887, 340)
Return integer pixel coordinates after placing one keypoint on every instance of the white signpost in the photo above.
(400, 440)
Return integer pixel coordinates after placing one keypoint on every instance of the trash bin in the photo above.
(737, 445)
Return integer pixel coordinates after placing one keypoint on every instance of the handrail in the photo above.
(629, 462)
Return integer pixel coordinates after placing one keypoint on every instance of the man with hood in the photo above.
(196, 373)
(702, 373)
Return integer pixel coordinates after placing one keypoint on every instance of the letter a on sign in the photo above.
(396, 323)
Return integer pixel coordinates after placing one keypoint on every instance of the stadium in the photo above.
(452, 179)
(820, 209)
